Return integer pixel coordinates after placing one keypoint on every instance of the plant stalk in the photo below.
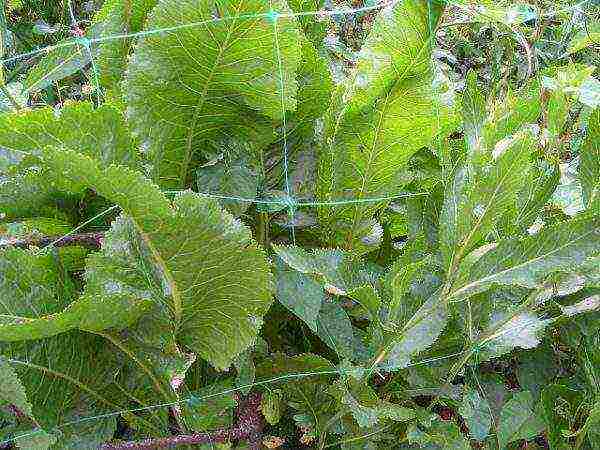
(457, 367)
(248, 427)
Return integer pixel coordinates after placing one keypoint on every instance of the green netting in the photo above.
(291, 204)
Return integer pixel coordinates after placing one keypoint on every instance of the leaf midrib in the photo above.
(400, 79)
(457, 257)
(518, 266)
(200, 105)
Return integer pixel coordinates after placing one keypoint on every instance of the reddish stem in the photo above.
(248, 427)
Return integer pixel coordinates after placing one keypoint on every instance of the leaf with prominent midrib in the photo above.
(387, 111)
(529, 261)
(589, 166)
(49, 370)
(212, 283)
(116, 18)
(187, 85)
(63, 373)
(478, 197)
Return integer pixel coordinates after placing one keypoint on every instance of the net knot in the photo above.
(290, 202)
(193, 401)
(83, 41)
(272, 16)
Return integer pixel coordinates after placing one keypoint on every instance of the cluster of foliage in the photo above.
(385, 224)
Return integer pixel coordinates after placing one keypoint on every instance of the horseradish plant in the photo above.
(233, 98)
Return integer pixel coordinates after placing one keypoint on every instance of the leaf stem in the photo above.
(457, 367)
(263, 230)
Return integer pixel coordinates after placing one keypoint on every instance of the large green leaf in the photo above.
(339, 272)
(528, 262)
(539, 185)
(385, 113)
(474, 115)
(185, 86)
(64, 374)
(589, 166)
(98, 132)
(115, 19)
(60, 374)
(211, 282)
(507, 332)
(420, 332)
(32, 283)
(437, 435)
(480, 195)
